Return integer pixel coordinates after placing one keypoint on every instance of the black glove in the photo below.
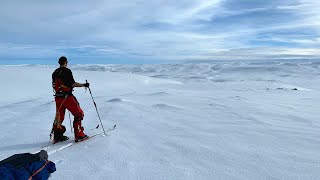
(86, 85)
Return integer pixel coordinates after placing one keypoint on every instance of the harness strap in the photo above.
(57, 117)
(57, 112)
(35, 173)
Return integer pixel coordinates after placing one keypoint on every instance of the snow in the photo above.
(215, 120)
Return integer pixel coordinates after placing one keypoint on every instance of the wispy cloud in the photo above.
(182, 29)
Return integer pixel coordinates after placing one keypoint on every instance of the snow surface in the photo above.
(226, 120)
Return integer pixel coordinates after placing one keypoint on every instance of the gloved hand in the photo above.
(86, 85)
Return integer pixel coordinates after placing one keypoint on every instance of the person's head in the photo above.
(63, 61)
(43, 155)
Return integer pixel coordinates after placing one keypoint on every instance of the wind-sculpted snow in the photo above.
(116, 100)
(212, 71)
(214, 120)
(164, 106)
(158, 94)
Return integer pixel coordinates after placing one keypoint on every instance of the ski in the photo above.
(75, 143)
(89, 137)
(71, 141)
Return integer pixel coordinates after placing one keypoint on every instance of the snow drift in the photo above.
(228, 120)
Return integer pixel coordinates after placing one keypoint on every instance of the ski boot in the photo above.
(78, 132)
(58, 134)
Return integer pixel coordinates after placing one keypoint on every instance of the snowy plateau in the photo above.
(210, 120)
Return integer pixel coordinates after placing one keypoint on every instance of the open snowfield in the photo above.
(219, 120)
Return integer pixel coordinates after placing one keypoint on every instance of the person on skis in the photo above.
(63, 84)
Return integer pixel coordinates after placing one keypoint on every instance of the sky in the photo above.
(139, 31)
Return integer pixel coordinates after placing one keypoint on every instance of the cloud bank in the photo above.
(159, 30)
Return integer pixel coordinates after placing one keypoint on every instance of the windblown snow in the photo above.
(219, 120)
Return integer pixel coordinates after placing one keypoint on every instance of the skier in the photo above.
(63, 84)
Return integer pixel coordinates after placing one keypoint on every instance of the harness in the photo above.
(59, 88)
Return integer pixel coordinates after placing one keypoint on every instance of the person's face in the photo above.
(67, 63)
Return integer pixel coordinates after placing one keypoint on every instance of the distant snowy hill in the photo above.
(218, 120)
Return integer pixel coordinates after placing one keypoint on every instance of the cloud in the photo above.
(158, 29)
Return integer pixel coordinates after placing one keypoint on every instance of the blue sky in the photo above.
(138, 31)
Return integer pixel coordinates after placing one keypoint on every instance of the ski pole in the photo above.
(95, 105)
(70, 122)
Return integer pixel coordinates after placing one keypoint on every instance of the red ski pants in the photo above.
(72, 105)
